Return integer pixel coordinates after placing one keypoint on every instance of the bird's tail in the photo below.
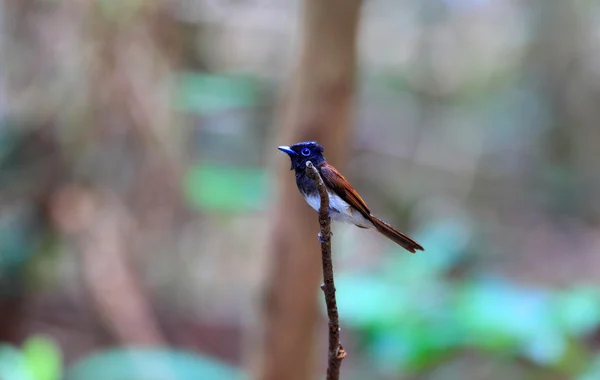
(396, 236)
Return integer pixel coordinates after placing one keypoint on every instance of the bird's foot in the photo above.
(321, 237)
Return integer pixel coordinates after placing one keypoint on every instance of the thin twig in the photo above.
(336, 351)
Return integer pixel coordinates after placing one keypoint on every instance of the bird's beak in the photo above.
(287, 150)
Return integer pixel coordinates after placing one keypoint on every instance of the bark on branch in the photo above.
(336, 351)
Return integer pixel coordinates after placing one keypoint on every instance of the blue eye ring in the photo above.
(305, 152)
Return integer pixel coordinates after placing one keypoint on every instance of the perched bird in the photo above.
(345, 204)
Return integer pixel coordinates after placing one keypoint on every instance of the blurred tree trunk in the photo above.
(97, 78)
(13, 294)
(570, 85)
(124, 217)
(318, 107)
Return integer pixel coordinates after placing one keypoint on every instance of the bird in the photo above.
(345, 204)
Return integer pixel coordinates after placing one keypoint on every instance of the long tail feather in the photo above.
(396, 236)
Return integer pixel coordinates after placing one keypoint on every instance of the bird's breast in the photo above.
(335, 202)
(339, 209)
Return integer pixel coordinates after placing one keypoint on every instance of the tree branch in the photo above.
(336, 351)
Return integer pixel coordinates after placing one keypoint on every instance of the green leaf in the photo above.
(13, 365)
(405, 325)
(43, 358)
(119, 11)
(365, 300)
(150, 364)
(578, 310)
(498, 315)
(202, 93)
(593, 370)
(415, 344)
(440, 257)
(222, 188)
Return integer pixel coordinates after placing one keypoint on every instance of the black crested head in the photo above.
(302, 152)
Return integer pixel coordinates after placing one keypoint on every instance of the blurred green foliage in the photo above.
(226, 189)
(43, 358)
(417, 313)
(12, 364)
(19, 229)
(40, 358)
(145, 364)
(206, 93)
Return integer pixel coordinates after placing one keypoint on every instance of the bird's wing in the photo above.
(338, 184)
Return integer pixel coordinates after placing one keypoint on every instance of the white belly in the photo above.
(339, 210)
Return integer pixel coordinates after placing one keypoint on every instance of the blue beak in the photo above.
(286, 149)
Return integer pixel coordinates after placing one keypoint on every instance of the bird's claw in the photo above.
(321, 237)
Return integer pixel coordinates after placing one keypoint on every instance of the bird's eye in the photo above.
(305, 152)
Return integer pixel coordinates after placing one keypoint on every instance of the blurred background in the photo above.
(149, 228)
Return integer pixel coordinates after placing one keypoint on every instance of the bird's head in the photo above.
(302, 152)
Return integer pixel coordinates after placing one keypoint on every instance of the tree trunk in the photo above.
(112, 119)
(318, 107)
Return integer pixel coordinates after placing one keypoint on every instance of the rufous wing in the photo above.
(338, 184)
